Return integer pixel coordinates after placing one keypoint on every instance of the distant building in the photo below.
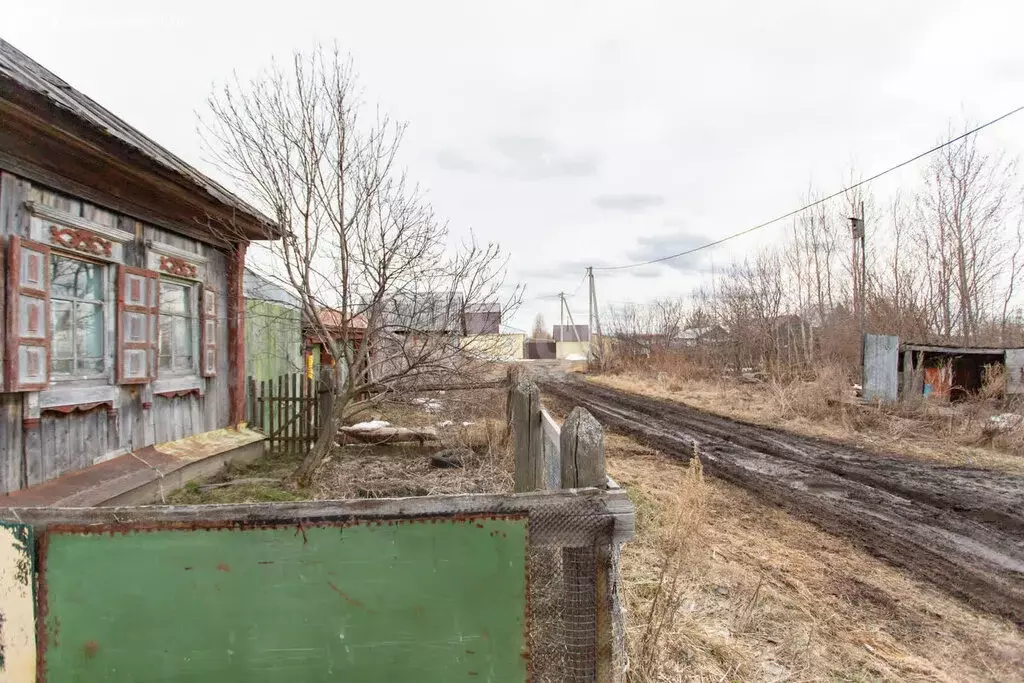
(482, 318)
(567, 333)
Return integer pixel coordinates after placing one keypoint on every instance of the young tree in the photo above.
(379, 282)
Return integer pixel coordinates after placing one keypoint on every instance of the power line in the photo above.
(816, 202)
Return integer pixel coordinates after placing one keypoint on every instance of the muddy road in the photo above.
(959, 528)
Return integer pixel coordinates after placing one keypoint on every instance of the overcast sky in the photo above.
(582, 133)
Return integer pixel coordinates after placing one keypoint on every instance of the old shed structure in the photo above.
(123, 270)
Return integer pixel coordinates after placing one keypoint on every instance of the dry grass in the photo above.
(758, 595)
(824, 406)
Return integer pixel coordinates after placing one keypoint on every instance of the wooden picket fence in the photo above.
(288, 413)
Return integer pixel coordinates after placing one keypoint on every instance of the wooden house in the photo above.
(123, 270)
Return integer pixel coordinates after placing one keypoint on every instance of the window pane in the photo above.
(174, 299)
(89, 330)
(165, 341)
(62, 366)
(71, 278)
(182, 343)
(90, 366)
(62, 343)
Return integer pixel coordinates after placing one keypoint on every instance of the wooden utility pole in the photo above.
(859, 269)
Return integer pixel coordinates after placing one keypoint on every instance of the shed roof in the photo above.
(35, 102)
(955, 350)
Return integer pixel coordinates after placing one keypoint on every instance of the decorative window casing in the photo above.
(28, 315)
(209, 345)
(77, 312)
(138, 319)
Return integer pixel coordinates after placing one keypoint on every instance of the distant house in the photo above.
(273, 333)
(411, 313)
(332, 326)
(697, 336)
(482, 318)
(571, 333)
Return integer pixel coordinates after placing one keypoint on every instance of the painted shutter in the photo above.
(138, 324)
(28, 315)
(209, 345)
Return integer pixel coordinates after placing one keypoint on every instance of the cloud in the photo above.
(454, 160)
(526, 157)
(629, 202)
(649, 247)
(567, 269)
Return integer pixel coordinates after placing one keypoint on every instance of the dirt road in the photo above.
(960, 528)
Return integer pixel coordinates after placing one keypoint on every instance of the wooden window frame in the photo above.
(194, 291)
(104, 304)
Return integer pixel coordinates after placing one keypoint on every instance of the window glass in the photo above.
(77, 318)
(178, 328)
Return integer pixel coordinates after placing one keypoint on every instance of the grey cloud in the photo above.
(651, 247)
(527, 157)
(629, 202)
(568, 269)
(454, 160)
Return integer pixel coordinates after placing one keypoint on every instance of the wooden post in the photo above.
(526, 428)
(587, 572)
(582, 451)
(236, 334)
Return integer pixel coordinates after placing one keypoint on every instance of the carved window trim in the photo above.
(77, 239)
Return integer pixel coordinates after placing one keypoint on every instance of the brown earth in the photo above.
(959, 528)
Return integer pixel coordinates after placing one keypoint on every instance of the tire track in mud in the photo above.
(959, 528)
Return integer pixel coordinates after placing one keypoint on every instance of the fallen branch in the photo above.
(389, 434)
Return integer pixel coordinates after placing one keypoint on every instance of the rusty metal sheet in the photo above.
(393, 600)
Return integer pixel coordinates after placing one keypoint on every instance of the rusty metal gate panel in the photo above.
(398, 600)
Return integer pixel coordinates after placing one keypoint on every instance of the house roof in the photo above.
(331, 319)
(424, 311)
(138, 177)
(257, 287)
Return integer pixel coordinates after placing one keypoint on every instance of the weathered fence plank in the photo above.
(582, 451)
(528, 434)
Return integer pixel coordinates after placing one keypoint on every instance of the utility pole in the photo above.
(859, 268)
(596, 350)
(590, 316)
(561, 316)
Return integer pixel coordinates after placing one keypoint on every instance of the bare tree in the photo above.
(962, 210)
(379, 283)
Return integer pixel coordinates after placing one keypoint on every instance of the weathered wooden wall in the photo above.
(67, 442)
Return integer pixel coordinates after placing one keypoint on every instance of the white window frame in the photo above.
(105, 303)
(193, 291)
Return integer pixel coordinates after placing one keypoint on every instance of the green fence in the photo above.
(426, 589)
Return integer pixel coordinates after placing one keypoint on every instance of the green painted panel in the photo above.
(403, 601)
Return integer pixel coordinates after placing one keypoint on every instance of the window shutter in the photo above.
(209, 345)
(28, 315)
(138, 324)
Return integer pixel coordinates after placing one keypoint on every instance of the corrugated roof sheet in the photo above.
(18, 67)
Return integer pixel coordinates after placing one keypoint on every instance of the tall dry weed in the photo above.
(678, 534)
(823, 396)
